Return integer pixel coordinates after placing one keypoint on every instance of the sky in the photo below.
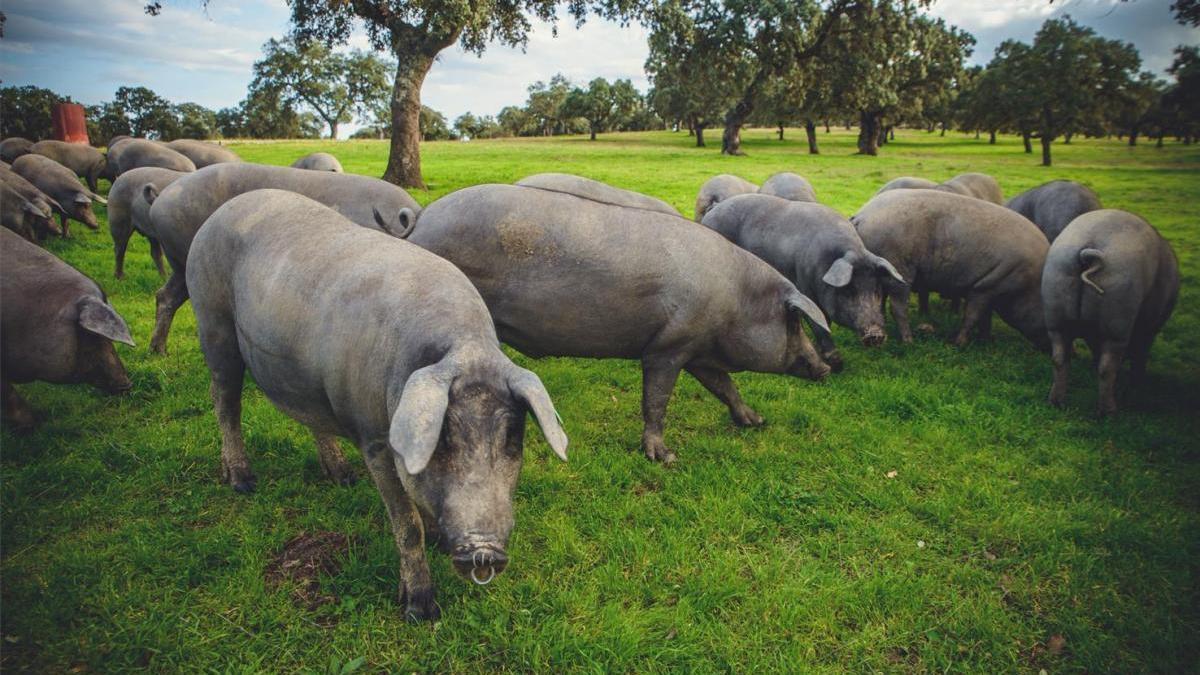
(87, 48)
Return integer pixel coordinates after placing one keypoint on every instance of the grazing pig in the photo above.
(959, 246)
(1111, 279)
(977, 185)
(356, 334)
(202, 153)
(567, 276)
(596, 191)
(132, 153)
(61, 185)
(1052, 206)
(17, 213)
(177, 214)
(87, 162)
(12, 148)
(719, 188)
(907, 183)
(43, 222)
(819, 251)
(129, 211)
(789, 186)
(55, 326)
(318, 161)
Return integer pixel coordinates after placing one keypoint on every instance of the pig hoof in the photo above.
(341, 474)
(748, 418)
(241, 480)
(658, 452)
(420, 606)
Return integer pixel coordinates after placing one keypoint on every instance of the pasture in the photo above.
(925, 510)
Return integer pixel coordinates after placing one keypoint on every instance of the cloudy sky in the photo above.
(88, 48)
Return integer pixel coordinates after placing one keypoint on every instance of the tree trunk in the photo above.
(976, 134)
(992, 137)
(781, 132)
(404, 159)
(1133, 136)
(735, 119)
(1025, 136)
(891, 130)
(826, 126)
(1158, 143)
(592, 127)
(943, 134)
(699, 128)
(810, 130)
(333, 130)
(1067, 138)
(1045, 150)
(868, 134)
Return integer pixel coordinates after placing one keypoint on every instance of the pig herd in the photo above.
(363, 316)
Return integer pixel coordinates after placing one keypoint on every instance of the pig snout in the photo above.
(479, 562)
(873, 336)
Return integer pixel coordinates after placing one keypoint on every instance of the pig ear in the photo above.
(149, 192)
(98, 317)
(839, 274)
(417, 422)
(529, 389)
(799, 302)
(887, 267)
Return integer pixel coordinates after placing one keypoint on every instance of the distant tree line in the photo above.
(553, 108)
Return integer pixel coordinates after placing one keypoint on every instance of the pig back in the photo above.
(563, 275)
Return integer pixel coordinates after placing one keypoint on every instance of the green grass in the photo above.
(1007, 526)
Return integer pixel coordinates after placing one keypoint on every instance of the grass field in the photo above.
(923, 511)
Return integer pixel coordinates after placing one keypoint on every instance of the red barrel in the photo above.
(69, 123)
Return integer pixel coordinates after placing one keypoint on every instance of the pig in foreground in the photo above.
(1111, 279)
(596, 191)
(319, 161)
(719, 188)
(131, 153)
(962, 247)
(356, 334)
(789, 186)
(12, 148)
(43, 220)
(177, 214)
(87, 162)
(820, 252)
(1052, 206)
(203, 153)
(55, 326)
(17, 213)
(567, 276)
(60, 184)
(128, 211)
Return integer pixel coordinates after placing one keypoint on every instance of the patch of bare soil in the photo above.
(303, 560)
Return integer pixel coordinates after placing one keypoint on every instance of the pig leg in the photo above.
(1060, 355)
(1111, 355)
(156, 253)
(977, 307)
(17, 412)
(416, 585)
(985, 326)
(898, 298)
(658, 381)
(829, 350)
(167, 301)
(62, 219)
(120, 245)
(719, 384)
(218, 341)
(333, 462)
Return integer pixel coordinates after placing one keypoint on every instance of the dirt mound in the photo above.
(303, 560)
